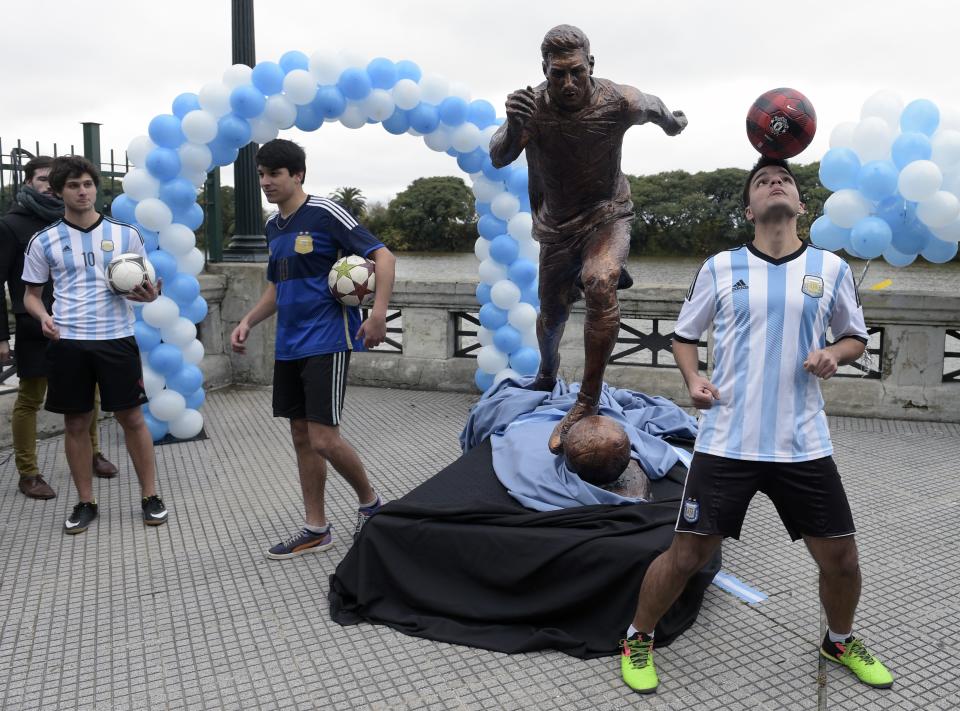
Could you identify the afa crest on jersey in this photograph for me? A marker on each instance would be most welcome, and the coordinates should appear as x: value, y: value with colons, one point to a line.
x: 812, y: 286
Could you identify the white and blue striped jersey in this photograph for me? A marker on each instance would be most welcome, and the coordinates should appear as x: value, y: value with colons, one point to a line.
x: 767, y: 315
x: 84, y: 307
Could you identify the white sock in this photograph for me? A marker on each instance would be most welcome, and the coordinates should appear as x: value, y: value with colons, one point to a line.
x: 370, y: 503
x: 834, y: 637
x: 319, y: 530
x: 631, y: 630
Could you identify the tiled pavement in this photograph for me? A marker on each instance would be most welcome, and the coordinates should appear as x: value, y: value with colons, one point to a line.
x: 192, y: 616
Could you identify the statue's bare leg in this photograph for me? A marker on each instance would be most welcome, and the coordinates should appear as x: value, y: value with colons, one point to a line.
x: 559, y: 266
x: 604, y: 258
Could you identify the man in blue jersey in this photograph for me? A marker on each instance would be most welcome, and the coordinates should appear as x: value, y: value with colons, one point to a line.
x: 91, y: 334
x: 315, y: 334
x: 763, y: 428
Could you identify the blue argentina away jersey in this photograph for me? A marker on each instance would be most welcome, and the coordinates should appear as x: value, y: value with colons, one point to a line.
x: 303, y: 248
x: 84, y: 308
x: 768, y: 315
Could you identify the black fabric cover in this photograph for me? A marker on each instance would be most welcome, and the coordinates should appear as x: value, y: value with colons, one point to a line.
x: 458, y: 560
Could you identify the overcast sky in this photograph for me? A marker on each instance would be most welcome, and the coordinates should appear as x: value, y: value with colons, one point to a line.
x: 121, y: 62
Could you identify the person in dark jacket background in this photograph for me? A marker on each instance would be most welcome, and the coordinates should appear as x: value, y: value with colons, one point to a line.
x: 35, y: 208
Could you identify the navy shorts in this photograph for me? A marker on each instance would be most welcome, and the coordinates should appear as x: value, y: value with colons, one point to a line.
x: 809, y: 496
x: 311, y: 388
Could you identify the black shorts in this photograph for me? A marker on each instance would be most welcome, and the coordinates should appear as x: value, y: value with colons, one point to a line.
x: 31, y: 348
x: 76, y: 368
x: 808, y: 495
x: 311, y: 388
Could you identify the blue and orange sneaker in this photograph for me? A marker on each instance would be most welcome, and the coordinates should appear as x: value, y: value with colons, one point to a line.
x: 636, y: 664
x: 364, y: 513
x: 303, y: 541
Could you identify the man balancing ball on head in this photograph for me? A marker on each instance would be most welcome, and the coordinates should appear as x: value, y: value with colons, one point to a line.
x: 763, y: 427
x: 572, y: 128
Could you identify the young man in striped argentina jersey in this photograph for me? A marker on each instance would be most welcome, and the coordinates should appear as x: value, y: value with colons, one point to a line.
x: 763, y: 427
x: 315, y: 334
x: 91, y: 334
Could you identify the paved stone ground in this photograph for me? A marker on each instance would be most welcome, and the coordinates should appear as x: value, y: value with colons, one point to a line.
x: 192, y: 616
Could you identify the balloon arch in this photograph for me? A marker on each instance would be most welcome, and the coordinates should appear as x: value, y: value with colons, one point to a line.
x: 207, y: 129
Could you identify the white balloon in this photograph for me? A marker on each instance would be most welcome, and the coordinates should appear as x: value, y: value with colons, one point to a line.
x: 846, y: 207
x: 504, y: 374
x: 198, y: 178
x: 530, y: 249
x: 153, y: 382
x: 919, y: 180
x: 280, y: 111
x: 491, y: 359
x: 194, y: 157
x: 460, y: 90
x: 486, y: 135
x: 949, y: 119
x: 884, y: 104
x: 179, y: 333
x: 140, y: 185
x: 520, y: 225
x: 175, y: 238
x: 438, y: 140
x: 326, y: 66
x: 199, y: 126
x: 842, y: 135
x: 193, y: 352
x: 940, y: 210
x: 191, y: 263
x: 481, y: 248
x: 167, y: 405
x: 353, y: 116
x: 433, y: 88
x: 951, y: 181
x: 406, y: 94
x: 504, y: 206
x: 530, y: 338
x: 237, y: 75
x: 188, y: 424
x: 484, y: 336
x: 161, y: 312
x: 465, y: 137
x: 949, y: 232
x: 262, y: 130
x: 414, y: 132
x: 946, y: 148
x: 153, y: 214
x: 353, y: 58
x: 300, y: 86
x: 138, y: 149
x: 522, y: 317
x: 378, y: 105
x: 486, y: 190
x: 491, y: 271
x: 505, y: 294
x: 215, y: 98
x: 872, y: 139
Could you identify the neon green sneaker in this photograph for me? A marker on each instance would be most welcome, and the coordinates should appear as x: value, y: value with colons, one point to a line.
x: 854, y: 655
x: 636, y: 664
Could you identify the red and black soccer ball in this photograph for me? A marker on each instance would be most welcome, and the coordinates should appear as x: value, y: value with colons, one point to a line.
x: 781, y: 123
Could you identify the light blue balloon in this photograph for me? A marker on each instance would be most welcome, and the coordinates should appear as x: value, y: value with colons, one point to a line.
x: 492, y: 173
x: 898, y: 259
x: 268, y: 77
x: 910, y: 146
x: 870, y: 236
x: 471, y: 162
x: 196, y: 398
x: 522, y: 272
x: 398, y: 123
x: 165, y: 359
x: 163, y: 164
x: 147, y: 336
x: 191, y: 216
x: 878, y: 179
x: 184, y: 289
x: 517, y: 184
x: 158, y: 428
x: 483, y: 293
x: 492, y: 316
x: 920, y: 115
x: 826, y: 235
x: 911, y: 238
x: 123, y: 208
x: 483, y: 381
x: 525, y: 360
x: 178, y: 193
x: 481, y: 113
x: 424, y: 118
x: 383, y: 73
x: 294, y: 60
x: 186, y: 380
x: 504, y: 249
x: 483, y: 209
x: 530, y: 295
x: 247, y: 101
x: 329, y: 102
x: 185, y: 103
x: 307, y: 118
x: 137, y: 312
x: 489, y: 226
x: 839, y: 168
x: 233, y: 131
x: 165, y: 131
x: 408, y: 70
x: 151, y: 239
x: 507, y: 338
x: 164, y: 264
x: 938, y: 251
x: 354, y: 83
x: 196, y: 311
x: 222, y: 153
x: 453, y: 110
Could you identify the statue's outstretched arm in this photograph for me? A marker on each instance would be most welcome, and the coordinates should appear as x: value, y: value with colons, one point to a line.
x: 647, y: 108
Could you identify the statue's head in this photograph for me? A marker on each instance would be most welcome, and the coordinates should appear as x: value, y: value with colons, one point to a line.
x: 567, y: 65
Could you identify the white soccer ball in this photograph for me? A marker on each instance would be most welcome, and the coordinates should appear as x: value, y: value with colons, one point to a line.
x: 352, y: 280
x: 128, y: 271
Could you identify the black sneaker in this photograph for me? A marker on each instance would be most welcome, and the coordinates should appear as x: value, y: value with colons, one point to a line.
x: 83, y: 515
x: 154, y: 512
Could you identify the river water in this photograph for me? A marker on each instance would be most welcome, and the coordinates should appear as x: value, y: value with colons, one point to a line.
x: 679, y: 271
